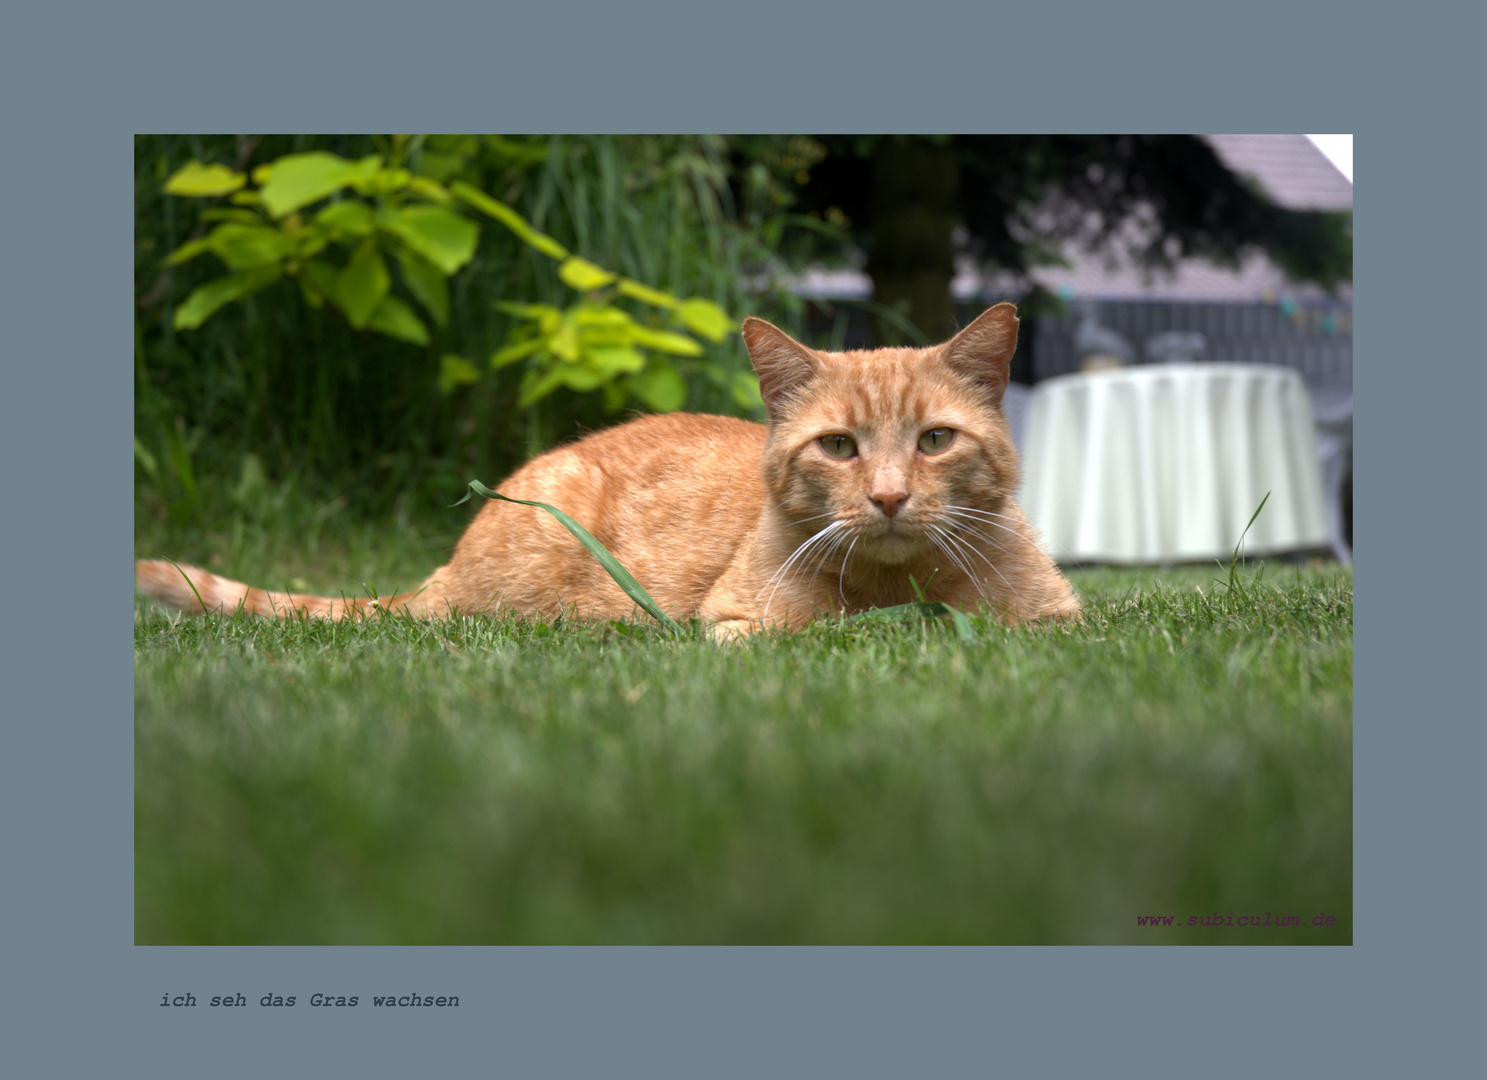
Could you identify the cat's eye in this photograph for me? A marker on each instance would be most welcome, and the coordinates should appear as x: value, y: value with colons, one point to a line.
x: 840, y: 447
x: 936, y: 439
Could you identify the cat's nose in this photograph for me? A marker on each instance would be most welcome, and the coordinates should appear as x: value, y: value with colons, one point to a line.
x: 889, y: 490
x: 889, y: 497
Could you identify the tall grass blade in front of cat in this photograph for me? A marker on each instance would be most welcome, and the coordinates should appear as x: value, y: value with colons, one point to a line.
x: 612, y: 566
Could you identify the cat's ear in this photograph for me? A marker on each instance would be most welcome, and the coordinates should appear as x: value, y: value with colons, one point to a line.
x: 783, y: 364
x: 982, y: 352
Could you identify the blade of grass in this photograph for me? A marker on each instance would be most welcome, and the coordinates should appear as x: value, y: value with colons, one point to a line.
x: 931, y: 609
x: 1234, y: 559
x: 622, y: 577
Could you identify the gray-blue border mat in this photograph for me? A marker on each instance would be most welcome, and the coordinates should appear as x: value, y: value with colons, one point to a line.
x: 81, y: 1000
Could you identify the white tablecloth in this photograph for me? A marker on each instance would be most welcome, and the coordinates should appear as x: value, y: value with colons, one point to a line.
x: 1165, y: 463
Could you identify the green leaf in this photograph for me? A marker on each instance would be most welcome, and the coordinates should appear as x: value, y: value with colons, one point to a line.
x: 456, y: 371
x: 646, y: 295
x: 564, y: 343
x: 363, y: 284
x: 705, y: 318
x: 189, y: 250
x: 426, y: 284
x: 510, y: 354
x: 603, y: 325
x: 608, y: 361
x: 396, y: 319
x: 528, y: 311
x: 206, y: 299
x: 350, y: 217
x: 661, y: 388
x: 665, y: 341
x: 508, y: 217
x: 429, y: 189
x: 484, y: 203
x: 441, y: 236
x: 300, y: 179
x: 204, y: 181
x: 243, y: 247
x: 384, y: 181
x: 622, y: 577
x: 584, y: 377
x: 545, y: 244
x: 601, y: 334
x: 580, y: 274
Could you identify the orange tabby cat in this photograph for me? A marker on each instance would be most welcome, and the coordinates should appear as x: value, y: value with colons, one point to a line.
x: 876, y: 468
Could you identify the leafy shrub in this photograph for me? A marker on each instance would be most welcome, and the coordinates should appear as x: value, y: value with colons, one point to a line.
x: 337, y: 314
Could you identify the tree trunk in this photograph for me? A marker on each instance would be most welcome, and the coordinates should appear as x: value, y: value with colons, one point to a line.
x: 915, y: 208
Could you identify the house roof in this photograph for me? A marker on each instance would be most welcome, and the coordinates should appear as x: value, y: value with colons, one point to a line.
x: 1293, y: 172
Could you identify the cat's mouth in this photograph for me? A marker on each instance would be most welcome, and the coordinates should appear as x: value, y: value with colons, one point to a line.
x: 893, y: 540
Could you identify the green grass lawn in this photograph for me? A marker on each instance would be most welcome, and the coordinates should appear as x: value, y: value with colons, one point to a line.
x: 1185, y: 752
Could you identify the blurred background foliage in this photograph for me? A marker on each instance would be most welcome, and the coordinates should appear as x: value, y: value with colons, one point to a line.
x: 286, y: 399
x: 914, y: 203
x: 271, y: 394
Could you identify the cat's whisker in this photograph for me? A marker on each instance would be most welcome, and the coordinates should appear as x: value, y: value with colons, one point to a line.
x: 963, y: 516
x: 982, y: 512
x: 806, y: 545
x: 978, y: 510
x: 821, y: 556
x: 778, y: 577
x: 817, y: 559
x: 942, y: 542
x: 826, y: 555
x: 963, y: 524
x: 959, y: 526
x: 959, y: 530
x: 784, y: 573
x: 936, y: 537
x: 987, y: 517
x: 962, y: 544
x: 841, y: 578
x: 966, y: 549
x: 814, y: 517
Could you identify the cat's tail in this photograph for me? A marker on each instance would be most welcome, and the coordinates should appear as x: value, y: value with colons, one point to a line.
x: 194, y: 591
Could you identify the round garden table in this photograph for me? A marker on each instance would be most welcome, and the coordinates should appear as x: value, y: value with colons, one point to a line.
x: 1166, y: 463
